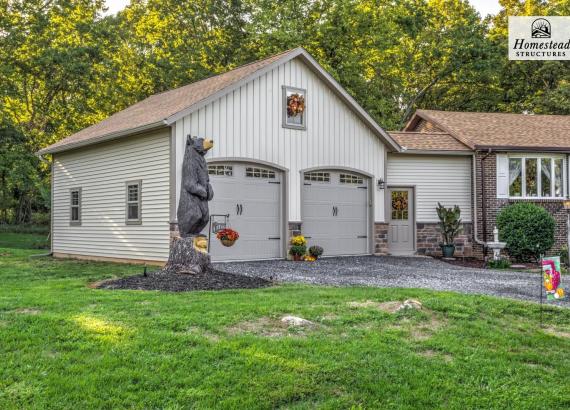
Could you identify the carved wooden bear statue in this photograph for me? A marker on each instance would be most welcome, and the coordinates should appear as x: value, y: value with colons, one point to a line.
x: 196, y: 190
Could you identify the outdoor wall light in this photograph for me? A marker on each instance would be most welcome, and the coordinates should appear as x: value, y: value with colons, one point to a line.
x: 381, y: 184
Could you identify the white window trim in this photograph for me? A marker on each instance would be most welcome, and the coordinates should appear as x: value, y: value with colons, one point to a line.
x: 71, y: 206
x: 137, y: 221
x: 539, y: 157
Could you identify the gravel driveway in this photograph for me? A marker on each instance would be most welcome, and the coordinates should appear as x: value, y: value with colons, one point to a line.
x: 390, y: 271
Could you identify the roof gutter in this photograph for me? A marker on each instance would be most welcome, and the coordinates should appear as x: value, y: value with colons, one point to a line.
x: 522, y: 148
x: 103, y: 138
x: 435, y: 152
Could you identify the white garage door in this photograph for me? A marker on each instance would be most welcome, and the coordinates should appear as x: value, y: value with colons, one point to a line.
x: 251, y: 195
x: 335, y: 211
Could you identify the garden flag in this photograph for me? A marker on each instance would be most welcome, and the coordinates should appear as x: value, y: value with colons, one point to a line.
x: 551, y: 277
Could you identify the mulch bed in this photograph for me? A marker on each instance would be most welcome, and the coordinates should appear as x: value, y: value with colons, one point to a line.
x: 177, y: 282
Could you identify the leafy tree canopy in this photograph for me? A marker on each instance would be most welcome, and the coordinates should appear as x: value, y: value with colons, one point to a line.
x: 64, y: 65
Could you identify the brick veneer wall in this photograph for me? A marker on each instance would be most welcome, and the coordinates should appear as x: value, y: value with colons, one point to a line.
x: 494, y: 205
x: 429, y: 238
x: 381, y: 238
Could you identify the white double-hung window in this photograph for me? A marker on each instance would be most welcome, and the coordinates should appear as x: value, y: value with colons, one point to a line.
x: 535, y: 176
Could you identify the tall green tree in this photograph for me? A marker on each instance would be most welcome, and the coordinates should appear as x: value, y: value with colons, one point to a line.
x: 541, y: 87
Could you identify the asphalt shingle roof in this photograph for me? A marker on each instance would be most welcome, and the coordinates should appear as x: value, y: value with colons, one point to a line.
x: 428, y: 141
x: 158, y: 107
x: 501, y: 130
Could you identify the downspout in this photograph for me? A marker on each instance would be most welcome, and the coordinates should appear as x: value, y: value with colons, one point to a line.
x: 475, y: 216
x: 483, y: 201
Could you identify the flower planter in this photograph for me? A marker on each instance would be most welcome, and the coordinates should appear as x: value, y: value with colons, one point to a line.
x: 297, y: 258
x: 448, y: 251
x: 227, y: 242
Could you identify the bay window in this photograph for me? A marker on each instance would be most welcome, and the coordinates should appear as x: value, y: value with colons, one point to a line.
x: 536, y: 177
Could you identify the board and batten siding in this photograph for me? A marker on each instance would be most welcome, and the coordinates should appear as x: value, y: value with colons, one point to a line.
x: 101, y: 172
x: 247, y: 123
x: 445, y: 179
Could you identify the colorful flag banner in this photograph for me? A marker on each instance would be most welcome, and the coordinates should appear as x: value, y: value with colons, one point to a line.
x: 552, y: 278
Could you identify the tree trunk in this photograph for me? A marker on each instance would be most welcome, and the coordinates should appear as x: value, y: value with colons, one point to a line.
x: 185, y: 258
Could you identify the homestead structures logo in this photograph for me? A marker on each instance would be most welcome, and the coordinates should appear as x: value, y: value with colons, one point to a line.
x: 541, y: 28
x: 539, y: 38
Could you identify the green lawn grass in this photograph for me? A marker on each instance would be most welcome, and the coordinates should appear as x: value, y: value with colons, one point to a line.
x: 65, y: 345
x: 24, y: 240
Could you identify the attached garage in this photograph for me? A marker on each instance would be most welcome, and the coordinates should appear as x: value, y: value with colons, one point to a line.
x: 251, y: 197
x: 335, y: 211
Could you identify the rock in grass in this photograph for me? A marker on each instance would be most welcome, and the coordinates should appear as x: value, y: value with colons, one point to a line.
x: 410, y: 304
x: 296, y: 321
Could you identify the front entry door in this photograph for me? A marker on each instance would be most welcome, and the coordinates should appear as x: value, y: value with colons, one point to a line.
x: 401, y: 220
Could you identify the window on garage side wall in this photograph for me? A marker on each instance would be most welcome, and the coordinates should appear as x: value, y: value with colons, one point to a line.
x: 75, y: 206
x: 133, y: 202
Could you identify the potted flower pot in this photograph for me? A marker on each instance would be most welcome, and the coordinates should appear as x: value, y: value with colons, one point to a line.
x: 297, y: 258
x: 448, y: 250
x: 228, y: 242
x: 227, y: 237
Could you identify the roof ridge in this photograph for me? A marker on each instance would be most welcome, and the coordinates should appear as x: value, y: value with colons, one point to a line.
x: 492, y: 113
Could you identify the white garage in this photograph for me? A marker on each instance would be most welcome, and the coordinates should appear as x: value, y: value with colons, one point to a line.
x: 250, y: 195
x: 335, y: 207
x: 278, y: 125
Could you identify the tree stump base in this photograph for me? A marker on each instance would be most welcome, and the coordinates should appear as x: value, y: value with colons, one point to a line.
x: 189, y: 256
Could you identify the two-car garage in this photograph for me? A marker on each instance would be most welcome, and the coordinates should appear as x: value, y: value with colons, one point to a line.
x: 335, y: 209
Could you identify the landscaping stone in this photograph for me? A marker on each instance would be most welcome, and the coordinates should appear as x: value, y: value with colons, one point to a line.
x: 410, y: 304
x: 296, y: 321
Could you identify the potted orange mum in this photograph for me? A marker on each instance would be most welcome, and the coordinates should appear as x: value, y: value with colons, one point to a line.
x: 227, y: 236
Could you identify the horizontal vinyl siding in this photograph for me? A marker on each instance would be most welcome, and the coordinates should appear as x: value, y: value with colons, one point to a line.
x: 445, y: 179
x: 247, y: 123
x: 101, y: 172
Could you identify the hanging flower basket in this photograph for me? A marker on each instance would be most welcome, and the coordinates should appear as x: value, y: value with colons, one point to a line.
x: 227, y: 236
x: 227, y: 242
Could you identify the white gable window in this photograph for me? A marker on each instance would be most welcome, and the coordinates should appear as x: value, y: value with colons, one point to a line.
x: 531, y: 176
x: 294, y: 108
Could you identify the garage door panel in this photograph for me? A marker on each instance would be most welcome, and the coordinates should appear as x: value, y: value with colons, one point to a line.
x: 343, y: 231
x: 258, y: 216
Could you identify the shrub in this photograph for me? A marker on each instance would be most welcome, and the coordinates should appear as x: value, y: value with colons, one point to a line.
x: 499, y: 264
x: 449, y: 222
x: 298, y: 250
x: 316, y: 251
x: 41, y: 218
x: 528, y: 230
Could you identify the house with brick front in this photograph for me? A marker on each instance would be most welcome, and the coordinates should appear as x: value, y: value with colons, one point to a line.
x: 482, y: 162
x: 293, y: 154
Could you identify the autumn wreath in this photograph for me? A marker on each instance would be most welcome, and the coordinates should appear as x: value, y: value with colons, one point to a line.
x: 295, y: 104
